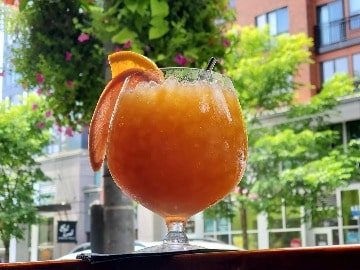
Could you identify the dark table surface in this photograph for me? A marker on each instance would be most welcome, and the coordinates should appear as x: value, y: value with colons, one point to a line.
x: 329, y: 258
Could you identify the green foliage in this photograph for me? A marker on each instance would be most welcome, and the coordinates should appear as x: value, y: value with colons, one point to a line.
x: 163, y: 29
x: 223, y: 208
x: 262, y: 66
x: 169, y: 32
x: 23, y: 135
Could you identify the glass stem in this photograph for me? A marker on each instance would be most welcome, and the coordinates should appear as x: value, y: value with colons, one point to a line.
x: 176, y: 234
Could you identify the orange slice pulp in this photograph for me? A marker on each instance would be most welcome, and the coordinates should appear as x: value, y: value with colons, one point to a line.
x: 123, y: 60
x: 125, y: 66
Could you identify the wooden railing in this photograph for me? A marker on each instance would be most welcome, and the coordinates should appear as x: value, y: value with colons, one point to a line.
x: 327, y: 258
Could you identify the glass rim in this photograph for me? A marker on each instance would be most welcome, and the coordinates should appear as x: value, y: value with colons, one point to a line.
x: 192, y: 69
x: 198, y: 74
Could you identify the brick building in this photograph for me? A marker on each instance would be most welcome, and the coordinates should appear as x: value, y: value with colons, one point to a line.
x: 334, y: 26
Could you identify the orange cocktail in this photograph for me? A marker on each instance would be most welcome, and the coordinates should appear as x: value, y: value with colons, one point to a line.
x: 174, y: 139
x: 180, y: 145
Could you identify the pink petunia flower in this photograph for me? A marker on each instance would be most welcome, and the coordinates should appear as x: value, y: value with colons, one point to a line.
x: 83, y: 37
x: 127, y: 44
x: 34, y: 107
x: 69, y: 132
x: 40, y: 78
x: 68, y: 56
x: 69, y: 84
x: 48, y: 114
x: 40, y: 125
x: 180, y: 59
x: 39, y: 91
x: 117, y: 48
x: 226, y: 42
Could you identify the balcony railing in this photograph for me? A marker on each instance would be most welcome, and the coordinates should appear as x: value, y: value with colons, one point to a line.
x: 336, y: 32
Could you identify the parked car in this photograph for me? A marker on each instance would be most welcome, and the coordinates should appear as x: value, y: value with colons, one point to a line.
x: 138, y: 245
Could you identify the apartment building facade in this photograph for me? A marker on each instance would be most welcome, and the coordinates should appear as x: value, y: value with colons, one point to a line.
x: 334, y: 26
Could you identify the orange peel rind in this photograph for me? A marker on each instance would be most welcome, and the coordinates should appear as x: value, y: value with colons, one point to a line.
x: 126, y: 66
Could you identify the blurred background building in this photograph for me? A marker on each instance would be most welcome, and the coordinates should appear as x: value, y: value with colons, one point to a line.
x: 335, y: 28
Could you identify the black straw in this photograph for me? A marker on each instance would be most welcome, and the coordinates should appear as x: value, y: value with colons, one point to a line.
x: 211, y: 64
x: 205, y: 74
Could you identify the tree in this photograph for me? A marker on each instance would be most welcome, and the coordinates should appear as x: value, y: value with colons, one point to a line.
x: 297, y: 161
x: 23, y: 135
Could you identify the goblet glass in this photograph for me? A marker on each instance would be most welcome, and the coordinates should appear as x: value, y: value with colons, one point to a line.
x: 178, y: 147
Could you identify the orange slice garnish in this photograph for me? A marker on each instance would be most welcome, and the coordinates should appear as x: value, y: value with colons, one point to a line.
x: 134, y: 73
x: 124, y: 60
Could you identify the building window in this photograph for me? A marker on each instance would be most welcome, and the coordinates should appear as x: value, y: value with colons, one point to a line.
x: 284, y: 239
x: 190, y: 226
x: 97, y: 178
x: 329, y: 68
x: 331, y: 23
x: 353, y: 130
x: 237, y: 240
x: 232, y: 3
x: 46, y: 239
x: 349, y: 200
x: 278, y: 21
x: 285, y: 218
x: 356, y: 65
x: 354, y: 6
x: 251, y: 217
x: 230, y: 230
x: 209, y: 225
x: 326, y: 213
x: 284, y: 227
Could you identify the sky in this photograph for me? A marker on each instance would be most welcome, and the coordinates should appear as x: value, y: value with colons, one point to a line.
x: 1, y: 52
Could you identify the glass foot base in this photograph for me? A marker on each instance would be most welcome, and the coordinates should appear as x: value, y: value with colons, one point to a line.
x: 169, y: 248
x: 174, y: 241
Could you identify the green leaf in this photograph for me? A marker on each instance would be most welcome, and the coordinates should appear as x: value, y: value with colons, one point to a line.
x: 131, y: 5
x: 159, y: 8
x: 160, y: 57
x: 142, y: 7
x: 123, y: 36
x: 111, y: 28
x: 23, y: 4
x: 139, y: 25
x: 136, y: 47
x: 159, y: 28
